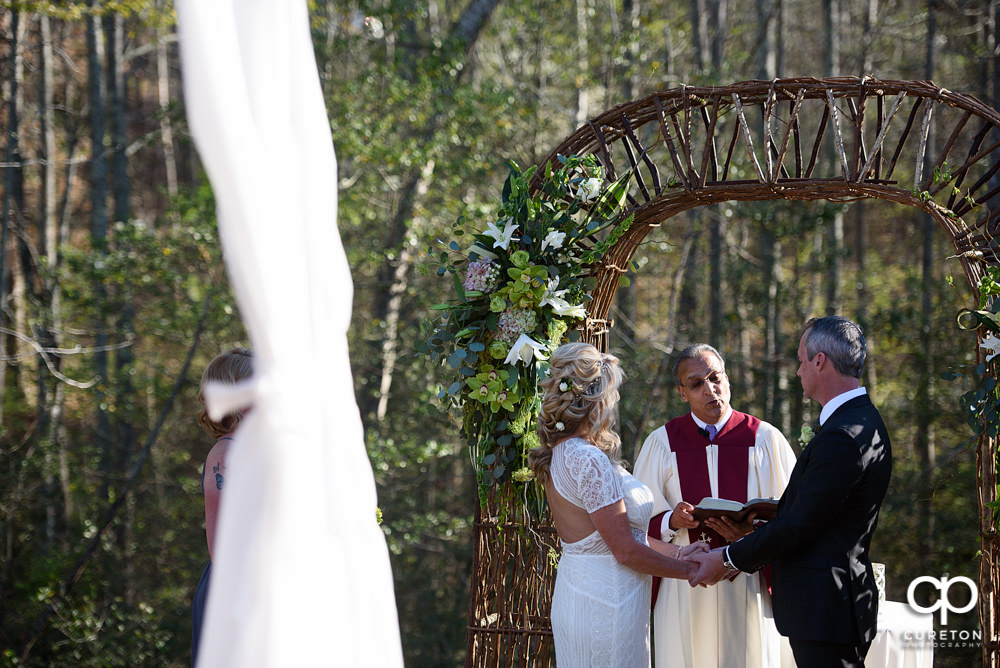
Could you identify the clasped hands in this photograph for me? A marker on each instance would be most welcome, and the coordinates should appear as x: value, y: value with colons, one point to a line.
x: 710, y: 568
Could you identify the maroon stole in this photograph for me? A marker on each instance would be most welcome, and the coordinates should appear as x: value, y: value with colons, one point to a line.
x: 688, y: 443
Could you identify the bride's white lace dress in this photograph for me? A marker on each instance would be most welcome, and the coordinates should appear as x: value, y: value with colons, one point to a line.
x: 600, y: 609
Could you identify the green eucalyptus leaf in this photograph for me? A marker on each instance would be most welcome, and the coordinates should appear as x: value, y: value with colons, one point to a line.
x: 459, y: 288
x: 456, y: 358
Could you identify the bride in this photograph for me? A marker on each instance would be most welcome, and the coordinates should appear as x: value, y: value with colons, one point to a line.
x: 600, y: 609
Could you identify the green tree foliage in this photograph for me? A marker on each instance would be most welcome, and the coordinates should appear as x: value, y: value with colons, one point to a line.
x: 423, y: 124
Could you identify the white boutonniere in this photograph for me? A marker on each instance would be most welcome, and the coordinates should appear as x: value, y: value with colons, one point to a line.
x: 806, y: 435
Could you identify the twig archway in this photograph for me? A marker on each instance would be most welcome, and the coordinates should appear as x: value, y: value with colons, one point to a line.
x: 837, y: 139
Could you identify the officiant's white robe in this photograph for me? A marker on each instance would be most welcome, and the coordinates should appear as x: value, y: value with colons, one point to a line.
x: 728, y: 625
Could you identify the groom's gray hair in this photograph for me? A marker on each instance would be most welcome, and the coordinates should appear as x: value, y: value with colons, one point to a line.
x: 841, y: 340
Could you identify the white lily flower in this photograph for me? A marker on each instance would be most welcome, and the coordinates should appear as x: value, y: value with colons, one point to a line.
x: 565, y: 309
x: 560, y: 306
x: 502, y: 238
x: 481, y: 251
x: 551, y: 293
x: 554, y: 239
x: 524, y: 350
x: 589, y: 189
x: 991, y: 343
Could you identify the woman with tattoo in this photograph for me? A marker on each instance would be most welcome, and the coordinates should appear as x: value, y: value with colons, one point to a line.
x: 230, y: 368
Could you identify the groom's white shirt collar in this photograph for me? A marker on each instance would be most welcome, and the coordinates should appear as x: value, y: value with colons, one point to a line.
x: 839, y: 401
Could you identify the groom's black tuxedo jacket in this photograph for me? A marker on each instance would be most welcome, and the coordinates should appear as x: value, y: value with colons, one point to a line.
x: 822, y: 585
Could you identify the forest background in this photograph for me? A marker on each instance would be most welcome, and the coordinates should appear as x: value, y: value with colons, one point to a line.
x: 114, y: 295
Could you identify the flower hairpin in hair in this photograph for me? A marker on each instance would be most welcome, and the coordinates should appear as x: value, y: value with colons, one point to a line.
x: 560, y: 426
x: 523, y: 474
x: 566, y: 385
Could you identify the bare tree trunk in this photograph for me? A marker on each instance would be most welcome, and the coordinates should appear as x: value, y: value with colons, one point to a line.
x: 582, y: 51
x: 767, y: 54
x: 13, y: 179
x: 699, y: 35
x: 860, y: 207
x: 718, y: 31
x: 925, y: 435
x: 868, y: 36
x: 47, y: 329
x: 771, y: 250
x: 396, y: 291
x: 50, y: 224
x: 123, y: 432
x: 625, y: 299
x: 99, y: 223
x: 166, y: 126
x: 717, y: 11
x: 835, y: 229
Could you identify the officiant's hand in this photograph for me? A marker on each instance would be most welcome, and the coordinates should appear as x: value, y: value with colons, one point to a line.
x: 682, y: 518
x: 730, y: 530
x: 710, y: 568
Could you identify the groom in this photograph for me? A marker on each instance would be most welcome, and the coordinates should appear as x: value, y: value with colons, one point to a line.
x: 823, y: 589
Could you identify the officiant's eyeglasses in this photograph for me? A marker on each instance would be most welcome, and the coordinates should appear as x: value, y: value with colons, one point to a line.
x: 698, y: 383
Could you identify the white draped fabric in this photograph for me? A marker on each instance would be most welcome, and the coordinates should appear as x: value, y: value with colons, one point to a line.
x: 301, y: 575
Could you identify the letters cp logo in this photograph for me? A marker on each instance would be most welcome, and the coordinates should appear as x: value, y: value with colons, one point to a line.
x: 943, y: 585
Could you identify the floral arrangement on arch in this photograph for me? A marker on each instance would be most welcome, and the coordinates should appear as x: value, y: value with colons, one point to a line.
x: 981, y: 404
x: 520, y: 289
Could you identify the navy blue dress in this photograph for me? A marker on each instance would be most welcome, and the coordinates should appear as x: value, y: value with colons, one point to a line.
x: 200, y: 597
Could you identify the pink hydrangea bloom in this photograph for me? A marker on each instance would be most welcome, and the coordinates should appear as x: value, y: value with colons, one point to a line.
x: 515, y: 321
x: 483, y: 276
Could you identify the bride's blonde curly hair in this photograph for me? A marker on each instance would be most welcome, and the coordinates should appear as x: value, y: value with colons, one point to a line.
x: 581, y: 398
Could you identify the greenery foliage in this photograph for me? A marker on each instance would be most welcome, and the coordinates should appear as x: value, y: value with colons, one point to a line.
x: 524, y: 287
x: 420, y: 126
x: 981, y: 404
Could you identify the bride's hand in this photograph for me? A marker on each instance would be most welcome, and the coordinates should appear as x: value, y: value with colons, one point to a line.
x: 693, y: 548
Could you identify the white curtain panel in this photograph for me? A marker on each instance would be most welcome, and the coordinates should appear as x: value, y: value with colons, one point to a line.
x: 301, y: 574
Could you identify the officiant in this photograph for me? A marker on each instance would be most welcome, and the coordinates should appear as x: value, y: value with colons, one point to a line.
x: 712, y: 451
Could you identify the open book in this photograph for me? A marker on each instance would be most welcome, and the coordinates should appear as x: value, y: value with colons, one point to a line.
x: 711, y: 507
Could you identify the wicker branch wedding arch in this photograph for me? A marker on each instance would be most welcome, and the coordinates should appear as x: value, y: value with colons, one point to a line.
x: 838, y: 139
